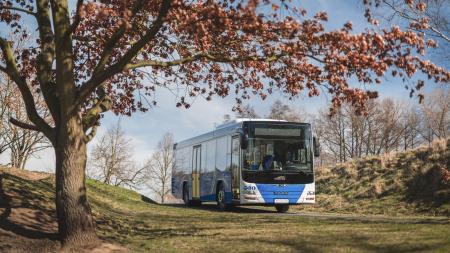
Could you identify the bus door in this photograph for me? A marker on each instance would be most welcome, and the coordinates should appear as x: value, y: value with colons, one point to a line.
x: 196, y: 160
x: 235, y: 167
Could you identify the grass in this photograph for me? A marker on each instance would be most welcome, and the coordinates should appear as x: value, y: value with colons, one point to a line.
x: 123, y: 217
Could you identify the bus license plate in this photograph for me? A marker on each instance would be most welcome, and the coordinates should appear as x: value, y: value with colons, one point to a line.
x: 281, y: 201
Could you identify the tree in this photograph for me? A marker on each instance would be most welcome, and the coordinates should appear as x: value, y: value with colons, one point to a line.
x: 347, y: 135
x: 94, y: 58
x: 436, y: 115
x: 21, y: 143
x: 5, y: 98
x: 411, y: 122
x: 159, y: 167
x: 247, y: 111
x: 111, y: 159
x: 278, y: 110
x: 332, y: 132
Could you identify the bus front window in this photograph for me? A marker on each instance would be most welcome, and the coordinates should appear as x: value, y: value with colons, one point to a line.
x: 279, y: 149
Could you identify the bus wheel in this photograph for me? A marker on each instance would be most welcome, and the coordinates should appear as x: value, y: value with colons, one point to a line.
x: 282, y: 208
x: 220, y: 197
x: 186, y: 196
x: 196, y: 202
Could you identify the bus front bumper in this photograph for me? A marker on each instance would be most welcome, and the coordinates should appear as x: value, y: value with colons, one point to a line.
x: 274, y: 194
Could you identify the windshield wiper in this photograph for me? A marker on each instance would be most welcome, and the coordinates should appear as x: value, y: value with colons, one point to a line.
x: 306, y: 171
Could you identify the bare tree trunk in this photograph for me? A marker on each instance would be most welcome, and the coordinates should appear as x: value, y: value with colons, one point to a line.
x: 163, y: 190
x: 76, y: 224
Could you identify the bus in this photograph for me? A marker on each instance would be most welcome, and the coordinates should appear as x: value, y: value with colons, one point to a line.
x: 247, y: 162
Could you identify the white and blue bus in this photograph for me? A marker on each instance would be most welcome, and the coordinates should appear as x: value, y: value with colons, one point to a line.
x: 247, y: 162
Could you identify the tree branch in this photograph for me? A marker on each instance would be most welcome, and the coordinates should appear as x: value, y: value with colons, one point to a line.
x: 99, y: 77
x: 111, y: 43
x: 23, y: 125
x: 30, y: 106
x: 76, y: 19
x: 46, y: 57
x: 439, y: 33
x: 92, y: 115
x: 91, y: 134
x: 12, y: 8
x: 409, y: 17
x: 209, y: 56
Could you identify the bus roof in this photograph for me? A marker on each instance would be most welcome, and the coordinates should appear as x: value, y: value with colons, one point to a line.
x: 240, y: 120
x: 227, y: 128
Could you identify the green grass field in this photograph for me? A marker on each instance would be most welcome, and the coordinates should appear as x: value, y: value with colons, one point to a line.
x: 144, y: 227
x: 124, y: 218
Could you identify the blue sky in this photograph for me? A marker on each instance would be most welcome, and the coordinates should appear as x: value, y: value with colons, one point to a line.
x: 145, y: 129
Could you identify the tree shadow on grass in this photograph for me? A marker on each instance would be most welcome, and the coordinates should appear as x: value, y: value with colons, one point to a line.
x: 428, y: 187
x: 148, y: 200
x: 25, y: 232
x: 36, y: 219
x: 326, y: 242
x: 213, y: 208
x: 322, y: 216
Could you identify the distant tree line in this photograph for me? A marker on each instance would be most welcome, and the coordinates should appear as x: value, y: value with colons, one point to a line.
x: 388, y: 125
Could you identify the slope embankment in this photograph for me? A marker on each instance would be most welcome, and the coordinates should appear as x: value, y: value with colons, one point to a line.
x: 400, y: 183
x: 27, y: 214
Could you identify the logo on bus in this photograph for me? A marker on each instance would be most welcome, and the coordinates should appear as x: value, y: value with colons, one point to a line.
x: 249, y: 188
x: 280, y: 178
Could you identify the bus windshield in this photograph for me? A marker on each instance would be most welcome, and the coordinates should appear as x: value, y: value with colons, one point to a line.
x: 279, y: 148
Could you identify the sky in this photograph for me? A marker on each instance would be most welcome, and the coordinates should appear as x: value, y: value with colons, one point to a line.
x: 146, y: 129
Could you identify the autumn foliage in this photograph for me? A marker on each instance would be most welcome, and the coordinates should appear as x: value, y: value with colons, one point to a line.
x: 222, y: 47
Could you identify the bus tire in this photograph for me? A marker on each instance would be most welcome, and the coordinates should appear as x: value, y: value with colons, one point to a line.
x: 220, y: 198
x: 186, y: 200
x: 282, y: 208
x: 196, y: 202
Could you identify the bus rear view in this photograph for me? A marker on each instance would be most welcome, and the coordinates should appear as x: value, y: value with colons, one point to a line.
x: 248, y: 162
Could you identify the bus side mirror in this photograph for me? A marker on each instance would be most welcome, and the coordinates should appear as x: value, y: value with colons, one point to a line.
x: 243, y: 138
x: 316, y: 146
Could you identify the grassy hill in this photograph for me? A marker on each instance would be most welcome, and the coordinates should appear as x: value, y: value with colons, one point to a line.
x: 127, y: 223
x: 404, y: 183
